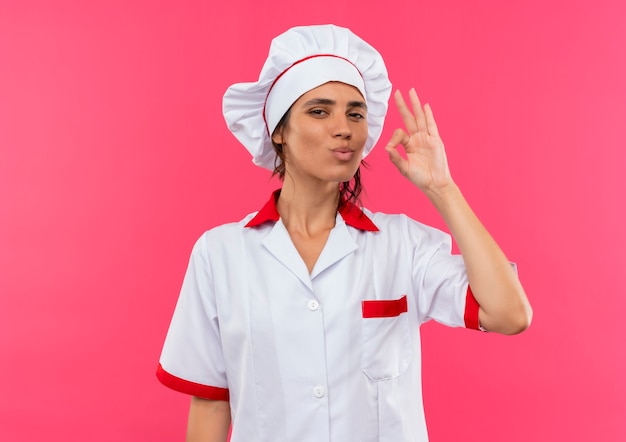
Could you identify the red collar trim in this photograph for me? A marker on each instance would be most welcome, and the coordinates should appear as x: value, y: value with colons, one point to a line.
x: 351, y: 214
x: 269, y: 212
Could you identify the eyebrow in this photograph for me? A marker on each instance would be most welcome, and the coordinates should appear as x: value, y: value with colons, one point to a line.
x: 328, y: 101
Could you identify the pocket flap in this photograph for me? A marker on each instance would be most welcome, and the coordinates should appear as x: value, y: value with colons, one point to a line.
x: 384, y: 308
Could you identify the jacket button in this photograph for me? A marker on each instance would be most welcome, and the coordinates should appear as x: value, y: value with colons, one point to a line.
x: 313, y: 305
x: 319, y: 391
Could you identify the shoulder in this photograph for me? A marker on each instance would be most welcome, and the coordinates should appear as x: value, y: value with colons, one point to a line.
x: 228, y: 233
x: 404, y: 228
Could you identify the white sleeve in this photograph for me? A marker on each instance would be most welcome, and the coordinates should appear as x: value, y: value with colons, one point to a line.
x: 443, y: 291
x: 192, y: 361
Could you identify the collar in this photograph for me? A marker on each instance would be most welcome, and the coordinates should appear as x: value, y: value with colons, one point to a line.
x: 351, y: 214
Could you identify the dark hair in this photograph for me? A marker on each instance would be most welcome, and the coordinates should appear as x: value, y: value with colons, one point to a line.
x: 349, y: 191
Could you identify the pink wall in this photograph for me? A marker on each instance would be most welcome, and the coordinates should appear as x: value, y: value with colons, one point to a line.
x: 114, y: 158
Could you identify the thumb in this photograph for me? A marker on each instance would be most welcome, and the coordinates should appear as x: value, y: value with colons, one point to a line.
x: 398, y: 137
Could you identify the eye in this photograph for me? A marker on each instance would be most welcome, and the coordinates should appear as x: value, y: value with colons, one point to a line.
x: 318, y: 112
x: 356, y: 115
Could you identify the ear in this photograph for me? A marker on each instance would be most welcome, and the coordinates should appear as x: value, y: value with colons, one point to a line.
x: 277, y: 136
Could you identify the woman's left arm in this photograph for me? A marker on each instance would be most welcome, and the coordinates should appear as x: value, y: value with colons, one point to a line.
x: 504, y: 307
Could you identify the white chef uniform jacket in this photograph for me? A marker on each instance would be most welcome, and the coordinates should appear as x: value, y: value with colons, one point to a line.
x: 333, y: 355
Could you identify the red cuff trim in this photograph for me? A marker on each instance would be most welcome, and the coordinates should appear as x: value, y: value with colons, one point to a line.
x: 192, y: 388
x: 384, y: 308
x: 471, y: 311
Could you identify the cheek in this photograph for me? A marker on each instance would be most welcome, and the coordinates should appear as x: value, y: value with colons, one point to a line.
x: 361, y: 134
x: 305, y: 139
x: 300, y: 147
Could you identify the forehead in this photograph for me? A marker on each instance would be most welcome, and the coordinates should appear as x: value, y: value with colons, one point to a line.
x: 333, y: 90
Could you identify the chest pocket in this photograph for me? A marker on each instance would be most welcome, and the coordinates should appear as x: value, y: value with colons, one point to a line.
x: 386, y: 338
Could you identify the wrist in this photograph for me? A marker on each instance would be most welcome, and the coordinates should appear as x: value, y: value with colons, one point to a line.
x: 443, y: 195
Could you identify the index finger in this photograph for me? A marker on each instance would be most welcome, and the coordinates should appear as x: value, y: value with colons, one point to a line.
x: 405, y: 113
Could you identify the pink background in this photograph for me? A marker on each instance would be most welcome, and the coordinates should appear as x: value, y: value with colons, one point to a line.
x: 114, y: 158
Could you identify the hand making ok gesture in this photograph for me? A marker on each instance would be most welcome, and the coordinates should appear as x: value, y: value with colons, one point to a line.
x: 425, y: 165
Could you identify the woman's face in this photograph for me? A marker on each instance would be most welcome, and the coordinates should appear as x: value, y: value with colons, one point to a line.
x: 325, y: 133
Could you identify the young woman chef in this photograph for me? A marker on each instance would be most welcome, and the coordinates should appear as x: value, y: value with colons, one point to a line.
x: 301, y: 322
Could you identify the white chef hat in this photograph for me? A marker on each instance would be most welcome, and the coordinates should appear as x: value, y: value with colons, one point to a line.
x: 299, y: 60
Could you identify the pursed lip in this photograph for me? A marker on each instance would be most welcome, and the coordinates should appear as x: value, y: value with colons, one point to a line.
x: 343, y: 153
x: 343, y: 149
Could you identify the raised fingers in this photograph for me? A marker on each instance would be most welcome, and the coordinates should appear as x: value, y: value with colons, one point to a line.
x: 420, y: 118
x: 405, y: 113
x: 415, y: 120
x: 430, y: 121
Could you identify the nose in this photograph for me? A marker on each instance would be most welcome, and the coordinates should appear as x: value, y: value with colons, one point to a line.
x: 341, y: 128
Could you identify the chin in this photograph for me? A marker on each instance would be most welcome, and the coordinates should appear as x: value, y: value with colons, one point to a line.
x: 340, y: 177
x: 345, y: 172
